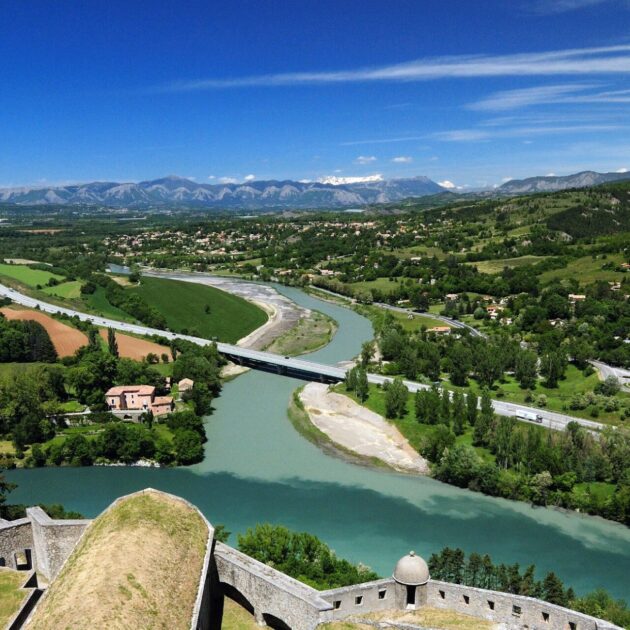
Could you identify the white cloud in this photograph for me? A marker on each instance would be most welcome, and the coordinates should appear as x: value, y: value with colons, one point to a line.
x: 577, y: 93
x: 447, y: 184
x: 477, y: 135
x: 365, y: 159
x: 249, y: 178
x: 305, y: 181
x: 551, y: 7
x: 506, y: 179
x: 402, y: 159
x: 550, y: 175
x: 338, y: 181
x: 572, y: 61
x: 622, y: 170
x: 212, y: 177
x: 228, y: 180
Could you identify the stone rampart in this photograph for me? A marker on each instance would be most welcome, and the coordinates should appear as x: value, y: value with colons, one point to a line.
x: 271, y: 595
x: 16, y: 537
x: 364, y: 598
x: 515, y: 611
x: 53, y: 540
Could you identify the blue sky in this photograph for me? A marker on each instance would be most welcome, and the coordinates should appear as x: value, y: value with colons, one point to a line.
x: 469, y: 92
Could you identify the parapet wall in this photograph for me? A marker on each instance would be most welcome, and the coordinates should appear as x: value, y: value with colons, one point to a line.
x: 53, y: 540
x: 16, y: 537
x: 364, y: 598
x: 270, y: 594
x: 515, y: 611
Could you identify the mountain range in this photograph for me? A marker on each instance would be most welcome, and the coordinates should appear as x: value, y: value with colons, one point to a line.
x: 552, y: 183
x: 182, y: 192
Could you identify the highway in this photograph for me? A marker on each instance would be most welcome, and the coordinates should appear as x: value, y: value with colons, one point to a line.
x: 278, y: 364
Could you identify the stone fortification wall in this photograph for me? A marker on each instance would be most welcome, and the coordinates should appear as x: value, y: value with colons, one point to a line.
x: 515, y: 611
x: 363, y: 598
x: 53, y: 540
x: 15, y: 537
x: 270, y: 594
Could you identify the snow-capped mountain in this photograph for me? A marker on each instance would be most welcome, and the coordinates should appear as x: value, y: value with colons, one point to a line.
x: 179, y: 191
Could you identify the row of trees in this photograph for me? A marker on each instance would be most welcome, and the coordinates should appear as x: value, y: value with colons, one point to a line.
x: 25, y: 342
x: 452, y: 565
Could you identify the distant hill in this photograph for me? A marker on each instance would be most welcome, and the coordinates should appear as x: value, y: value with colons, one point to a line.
x: 584, y: 179
x: 179, y: 191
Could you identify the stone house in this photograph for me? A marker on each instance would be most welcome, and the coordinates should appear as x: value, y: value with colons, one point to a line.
x: 133, y: 400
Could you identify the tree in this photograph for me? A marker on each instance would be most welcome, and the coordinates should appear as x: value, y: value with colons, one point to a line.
x: 362, y: 389
x: 351, y: 379
x: 459, y: 413
x: 434, y: 444
x: 112, y: 344
x: 552, y: 366
x: 396, y: 396
x: 445, y: 407
x: 553, y: 590
x: 367, y: 352
x: 459, y: 465
x: 472, y: 404
x: 484, y: 419
x: 188, y: 446
x: 460, y: 364
x: 526, y: 369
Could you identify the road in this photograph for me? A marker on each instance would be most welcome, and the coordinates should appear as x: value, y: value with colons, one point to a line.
x: 621, y: 374
x: 399, y: 309
x: 279, y: 364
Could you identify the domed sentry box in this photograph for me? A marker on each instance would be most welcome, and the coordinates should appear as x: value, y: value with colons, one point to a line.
x: 411, y: 576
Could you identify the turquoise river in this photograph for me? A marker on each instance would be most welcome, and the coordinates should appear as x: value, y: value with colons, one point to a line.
x: 259, y: 469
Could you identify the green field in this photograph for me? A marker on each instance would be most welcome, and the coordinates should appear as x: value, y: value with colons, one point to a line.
x: 382, y: 284
x: 497, y: 266
x: 67, y: 290
x: 587, y: 270
x: 11, y: 595
x: 98, y: 303
x: 26, y: 275
x: 184, y: 305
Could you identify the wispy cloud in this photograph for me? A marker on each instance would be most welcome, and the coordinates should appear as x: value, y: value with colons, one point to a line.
x: 402, y: 159
x: 352, y: 143
x: 550, y: 94
x: 551, y: 7
x: 365, y: 159
x: 480, y: 135
x: 249, y: 178
x: 574, y: 61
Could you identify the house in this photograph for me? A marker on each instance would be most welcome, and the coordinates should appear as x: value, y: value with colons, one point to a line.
x: 440, y: 330
x: 129, y: 401
x: 185, y: 385
x: 493, y: 310
x: 576, y: 297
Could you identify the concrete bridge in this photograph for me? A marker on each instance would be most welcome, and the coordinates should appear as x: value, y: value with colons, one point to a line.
x: 278, y: 364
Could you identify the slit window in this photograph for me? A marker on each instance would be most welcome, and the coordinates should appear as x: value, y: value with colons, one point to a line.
x: 337, y: 604
x: 466, y: 600
x: 382, y: 594
x: 442, y: 595
x: 358, y: 600
x: 490, y: 604
x: 516, y: 611
x: 572, y: 625
x: 545, y: 617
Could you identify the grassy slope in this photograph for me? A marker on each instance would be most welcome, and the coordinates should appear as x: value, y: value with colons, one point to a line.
x: 30, y: 277
x: 10, y: 594
x: 496, y: 266
x: 309, y: 335
x: 70, y: 289
x: 183, y: 305
x: 235, y: 617
x: 587, y: 270
x: 98, y: 303
x: 148, y: 578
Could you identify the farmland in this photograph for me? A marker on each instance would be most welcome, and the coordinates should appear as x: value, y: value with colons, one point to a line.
x: 200, y: 309
x: 26, y: 275
x: 67, y: 340
x: 135, y: 348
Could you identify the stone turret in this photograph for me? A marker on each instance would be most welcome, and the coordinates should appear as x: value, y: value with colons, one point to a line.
x: 411, y: 575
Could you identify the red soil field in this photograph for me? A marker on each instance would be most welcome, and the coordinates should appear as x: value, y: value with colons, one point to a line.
x: 67, y: 340
x: 134, y: 348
